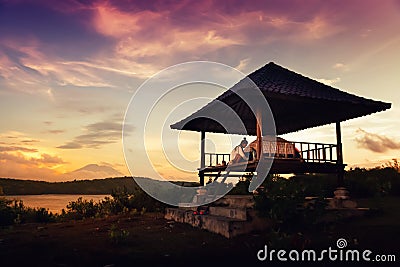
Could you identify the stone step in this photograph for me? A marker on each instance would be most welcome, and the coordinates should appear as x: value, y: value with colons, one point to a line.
x: 241, y: 201
x: 233, y: 213
x: 228, y: 227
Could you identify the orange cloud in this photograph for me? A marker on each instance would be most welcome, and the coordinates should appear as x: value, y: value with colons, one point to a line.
x: 14, y: 169
x: 48, y: 160
x: 19, y: 166
x: 28, y: 162
x: 16, y: 148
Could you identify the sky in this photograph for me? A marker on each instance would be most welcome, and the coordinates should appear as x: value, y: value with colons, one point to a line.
x: 68, y: 70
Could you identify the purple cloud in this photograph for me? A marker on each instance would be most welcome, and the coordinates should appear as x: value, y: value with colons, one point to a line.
x: 376, y: 143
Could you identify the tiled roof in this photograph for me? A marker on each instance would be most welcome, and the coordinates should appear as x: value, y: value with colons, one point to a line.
x: 276, y: 79
x: 297, y: 102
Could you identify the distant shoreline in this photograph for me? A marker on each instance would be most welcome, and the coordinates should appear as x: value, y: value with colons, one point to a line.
x: 9, y: 186
x: 106, y: 186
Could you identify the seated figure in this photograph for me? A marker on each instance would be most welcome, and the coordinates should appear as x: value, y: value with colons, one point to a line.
x: 238, y: 155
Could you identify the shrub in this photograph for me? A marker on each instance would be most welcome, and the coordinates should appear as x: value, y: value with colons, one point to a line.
x: 118, y: 235
x: 241, y: 188
x: 283, y: 201
x: 377, y: 181
x: 14, y: 212
x: 81, y: 208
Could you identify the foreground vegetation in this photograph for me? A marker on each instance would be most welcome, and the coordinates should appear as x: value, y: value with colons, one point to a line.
x: 128, y: 228
x: 121, y: 201
x: 278, y: 197
x: 149, y: 240
x: 298, y: 205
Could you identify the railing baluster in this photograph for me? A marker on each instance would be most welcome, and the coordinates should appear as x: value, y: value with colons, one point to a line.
x: 315, y: 150
x: 301, y: 150
x: 313, y: 153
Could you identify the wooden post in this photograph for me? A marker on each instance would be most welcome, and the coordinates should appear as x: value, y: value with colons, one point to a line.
x: 259, y: 133
x: 202, y: 157
x: 339, y: 163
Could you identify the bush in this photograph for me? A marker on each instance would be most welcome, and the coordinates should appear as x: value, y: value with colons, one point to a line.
x: 7, y: 215
x: 283, y: 201
x: 117, y: 235
x: 373, y: 182
x: 81, y: 208
x: 121, y: 201
x: 14, y: 212
x: 241, y: 188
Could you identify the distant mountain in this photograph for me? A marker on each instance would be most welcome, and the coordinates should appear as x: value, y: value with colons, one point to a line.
x: 91, y: 171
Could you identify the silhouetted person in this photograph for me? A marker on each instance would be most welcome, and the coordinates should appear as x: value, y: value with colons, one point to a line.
x: 237, y: 154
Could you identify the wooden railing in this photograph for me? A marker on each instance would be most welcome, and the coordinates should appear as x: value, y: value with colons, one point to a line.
x: 318, y: 152
x: 305, y: 151
x: 214, y: 159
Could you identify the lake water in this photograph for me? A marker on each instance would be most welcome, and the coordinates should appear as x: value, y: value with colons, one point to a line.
x: 53, y: 202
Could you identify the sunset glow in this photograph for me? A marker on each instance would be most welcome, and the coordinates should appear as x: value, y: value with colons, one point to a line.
x: 69, y: 68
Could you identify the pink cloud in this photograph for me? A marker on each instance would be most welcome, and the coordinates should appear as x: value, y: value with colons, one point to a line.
x: 198, y: 28
x: 151, y: 35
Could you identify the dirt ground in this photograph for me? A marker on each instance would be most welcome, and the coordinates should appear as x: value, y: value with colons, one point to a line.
x: 154, y: 241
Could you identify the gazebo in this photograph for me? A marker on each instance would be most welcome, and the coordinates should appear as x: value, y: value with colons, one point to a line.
x: 297, y: 103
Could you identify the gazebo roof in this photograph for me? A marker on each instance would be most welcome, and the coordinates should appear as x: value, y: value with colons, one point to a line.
x: 297, y: 102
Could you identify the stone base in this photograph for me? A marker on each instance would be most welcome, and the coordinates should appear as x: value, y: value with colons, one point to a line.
x: 341, y: 200
x: 229, y: 216
x: 337, y: 203
x: 341, y: 193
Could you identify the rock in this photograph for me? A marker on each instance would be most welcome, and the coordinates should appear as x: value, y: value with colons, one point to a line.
x: 341, y: 193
